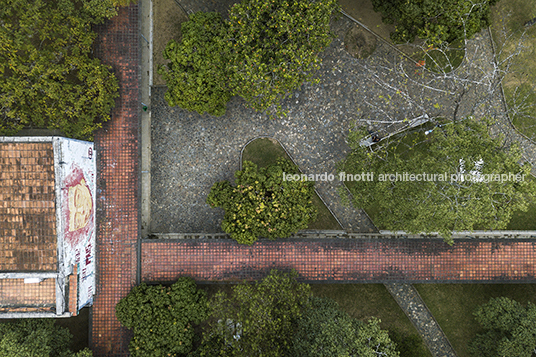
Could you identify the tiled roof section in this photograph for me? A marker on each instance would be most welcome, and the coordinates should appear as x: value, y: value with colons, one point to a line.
x: 16, y: 296
x: 27, y: 207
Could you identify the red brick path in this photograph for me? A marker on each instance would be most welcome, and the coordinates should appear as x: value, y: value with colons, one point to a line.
x: 343, y: 260
x: 117, y: 199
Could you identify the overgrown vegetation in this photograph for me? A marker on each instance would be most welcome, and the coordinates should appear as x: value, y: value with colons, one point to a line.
x: 196, y: 76
x: 510, y: 329
x: 48, y: 78
x: 325, y: 331
x: 365, y: 301
x: 276, y: 316
x: 256, y: 319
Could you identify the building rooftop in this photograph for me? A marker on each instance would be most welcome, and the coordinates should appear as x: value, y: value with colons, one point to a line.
x: 28, y: 240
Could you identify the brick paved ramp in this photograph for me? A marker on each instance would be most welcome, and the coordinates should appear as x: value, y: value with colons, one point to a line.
x: 376, y: 261
x: 117, y: 204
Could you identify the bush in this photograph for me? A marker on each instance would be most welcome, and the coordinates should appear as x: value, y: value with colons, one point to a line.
x: 510, y: 329
x: 265, y: 50
x: 162, y: 318
x: 263, y: 204
x: 196, y: 75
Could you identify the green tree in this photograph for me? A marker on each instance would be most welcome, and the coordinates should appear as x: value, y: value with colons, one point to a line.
x: 162, y: 318
x: 324, y: 330
x: 436, y: 21
x: 274, y: 47
x: 265, y: 50
x: 446, y: 204
x: 197, y: 74
x: 510, y: 329
x: 256, y: 320
x: 48, y: 78
x: 263, y: 203
x: 36, y: 338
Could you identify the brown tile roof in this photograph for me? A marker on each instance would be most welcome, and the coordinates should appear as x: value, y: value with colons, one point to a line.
x: 16, y: 296
x: 27, y: 207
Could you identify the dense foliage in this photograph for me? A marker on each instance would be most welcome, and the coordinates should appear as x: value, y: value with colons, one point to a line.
x: 162, y: 318
x: 36, y: 338
x: 510, y: 329
x: 196, y: 73
x: 436, y: 21
x: 256, y: 319
x: 275, y: 46
x: 265, y: 50
x: 445, y: 203
x: 47, y: 77
x: 325, y: 330
x: 262, y: 203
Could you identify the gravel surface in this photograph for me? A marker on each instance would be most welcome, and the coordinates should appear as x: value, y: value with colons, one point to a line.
x: 190, y: 151
x: 411, y: 302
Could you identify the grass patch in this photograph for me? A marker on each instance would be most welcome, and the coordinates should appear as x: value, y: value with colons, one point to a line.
x: 453, y: 304
x: 445, y: 60
x: 265, y: 152
x: 363, y: 301
x: 512, y: 15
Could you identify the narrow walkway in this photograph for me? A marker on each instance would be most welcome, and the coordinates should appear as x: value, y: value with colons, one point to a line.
x: 411, y: 302
x: 342, y: 260
x: 117, y: 181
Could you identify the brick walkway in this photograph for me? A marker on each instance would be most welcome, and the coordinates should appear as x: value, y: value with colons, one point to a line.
x: 117, y: 203
x: 376, y: 261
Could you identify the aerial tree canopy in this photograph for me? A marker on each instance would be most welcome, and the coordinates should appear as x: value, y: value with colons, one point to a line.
x: 436, y: 21
x: 48, y: 78
x: 324, y: 330
x: 264, y: 51
x: 263, y: 203
x: 36, y: 338
x: 510, y: 329
x: 466, y: 193
x: 256, y: 319
x: 275, y: 46
x: 162, y: 317
x: 197, y: 74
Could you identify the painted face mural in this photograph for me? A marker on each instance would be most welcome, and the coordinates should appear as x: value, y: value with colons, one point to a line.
x: 78, y: 211
x: 80, y: 205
